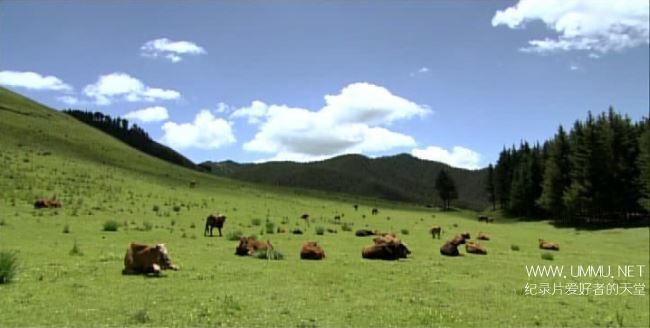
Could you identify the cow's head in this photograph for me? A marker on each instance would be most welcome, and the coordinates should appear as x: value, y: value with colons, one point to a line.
x: 163, y: 257
x: 242, y: 248
x: 459, y: 239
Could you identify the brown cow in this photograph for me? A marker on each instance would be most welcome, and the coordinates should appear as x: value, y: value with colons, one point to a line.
x: 435, y: 231
x: 214, y: 221
x: 47, y: 203
x: 482, y: 236
x: 145, y: 259
x: 364, y: 233
x: 386, y: 247
x: 450, y: 248
x: 483, y: 218
x: 549, y: 246
x: 475, y: 248
x: 312, y: 251
x: 248, y: 246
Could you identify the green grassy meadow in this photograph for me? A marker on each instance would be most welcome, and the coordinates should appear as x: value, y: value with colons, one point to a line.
x: 45, y: 153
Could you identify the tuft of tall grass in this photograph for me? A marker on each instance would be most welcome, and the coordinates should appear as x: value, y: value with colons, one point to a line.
x: 234, y: 235
x: 320, y: 231
x: 8, y: 266
x: 514, y: 247
x: 111, y: 225
x: 270, y: 227
x: 547, y: 256
x: 76, y: 250
x: 256, y: 222
x: 269, y: 255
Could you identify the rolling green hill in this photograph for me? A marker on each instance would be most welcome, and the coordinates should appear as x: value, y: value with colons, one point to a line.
x: 401, y: 177
x: 69, y: 264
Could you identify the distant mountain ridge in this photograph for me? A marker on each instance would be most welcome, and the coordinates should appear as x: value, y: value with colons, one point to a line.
x: 400, y: 177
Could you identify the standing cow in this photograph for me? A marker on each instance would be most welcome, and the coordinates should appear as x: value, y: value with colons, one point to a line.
x: 214, y: 221
x: 435, y: 231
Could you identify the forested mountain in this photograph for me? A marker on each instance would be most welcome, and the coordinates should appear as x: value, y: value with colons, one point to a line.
x: 132, y: 135
x: 401, y: 177
x: 596, y: 174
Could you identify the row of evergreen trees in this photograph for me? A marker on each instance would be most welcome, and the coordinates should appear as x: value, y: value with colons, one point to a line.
x: 598, y: 173
x: 132, y: 135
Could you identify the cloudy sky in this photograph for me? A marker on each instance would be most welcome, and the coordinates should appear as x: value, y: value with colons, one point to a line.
x: 452, y: 81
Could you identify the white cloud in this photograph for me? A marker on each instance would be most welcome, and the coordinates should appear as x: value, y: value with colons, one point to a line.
x: 33, y: 81
x: 206, y: 132
x: 422, y: 70
x: 594, y: 26
x: 149, y: 114
x: 69, y: 100
x: 171, y: 50
x: 574, y: 67
x: 353, y: 121
x: 459, y: 156
x: 121, y: 86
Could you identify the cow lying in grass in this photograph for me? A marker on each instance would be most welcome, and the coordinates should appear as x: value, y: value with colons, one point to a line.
x: 145, y: 259
x: 248, y: 246
x: 482, y: 236
x: 450, y: 248
x: 387, y: 247
x: 549, y: 246
x: 47, y: 203
x: 475, y: 248
x: 312, y: 251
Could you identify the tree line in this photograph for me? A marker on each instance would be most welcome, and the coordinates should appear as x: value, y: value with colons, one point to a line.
x: 131, y: 134
x: 598, y: 173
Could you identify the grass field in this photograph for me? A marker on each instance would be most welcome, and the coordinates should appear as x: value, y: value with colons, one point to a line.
x: 98, y: 179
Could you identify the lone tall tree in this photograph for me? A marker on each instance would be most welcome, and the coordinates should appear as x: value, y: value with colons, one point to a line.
x: 446, y: 189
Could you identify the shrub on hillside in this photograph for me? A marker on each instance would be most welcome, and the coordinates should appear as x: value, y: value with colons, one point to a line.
x: 320, y: 231
x: 514, y: 247
x: 547, y: 256
x: 256, y: 222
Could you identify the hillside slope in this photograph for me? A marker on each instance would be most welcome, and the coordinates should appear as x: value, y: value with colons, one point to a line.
x: 401, y: 177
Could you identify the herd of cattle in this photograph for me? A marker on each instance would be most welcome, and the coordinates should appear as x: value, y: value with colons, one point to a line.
x: 145, y: 259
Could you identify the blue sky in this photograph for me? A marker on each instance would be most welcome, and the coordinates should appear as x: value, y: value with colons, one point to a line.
x: 452, y: 81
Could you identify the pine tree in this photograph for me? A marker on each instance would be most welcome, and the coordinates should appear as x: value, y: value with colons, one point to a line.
x: 556, y: 179
x: 490, y: 187
x: 643, y: 164
x: 446, y: 189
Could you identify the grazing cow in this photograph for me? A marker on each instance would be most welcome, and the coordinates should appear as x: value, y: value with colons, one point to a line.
x: 465, y: 235
x: 435, y: 231
x: 248, y: 246
x: 214, y: 221
x: 450, y: 248
x: 312, y: 251
x: 482, y: 236
x: 356, y: 207
x: 144, y: 259
x: 305, y: 216
x: 549, y: 246
x: 475, y: 248
x: 296, y: 231
x: 375, y: 211
x: 47, y: 203
x: 364, y: 233
x: 483, y: 218
x: 387, y: 247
